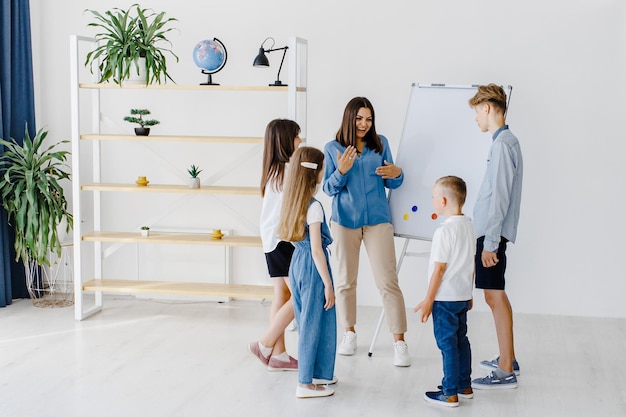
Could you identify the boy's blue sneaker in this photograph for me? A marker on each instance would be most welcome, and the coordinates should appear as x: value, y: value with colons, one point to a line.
x: 437, y: 397
x: 493, y: 381
x: 492, y: 364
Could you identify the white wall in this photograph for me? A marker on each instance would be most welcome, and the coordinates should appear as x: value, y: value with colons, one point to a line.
x: 566, y: 60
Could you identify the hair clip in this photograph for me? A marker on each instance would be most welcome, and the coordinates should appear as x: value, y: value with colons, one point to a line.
x: 310, y: 165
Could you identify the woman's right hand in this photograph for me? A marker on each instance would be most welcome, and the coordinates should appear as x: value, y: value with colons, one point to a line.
x: 345, y: 161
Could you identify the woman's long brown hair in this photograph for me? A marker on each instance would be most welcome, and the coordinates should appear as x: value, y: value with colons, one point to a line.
x: 346, y: 135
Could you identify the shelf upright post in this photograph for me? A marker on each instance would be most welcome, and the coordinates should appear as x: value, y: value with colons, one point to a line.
x: 96, y: 176
x: 79, y: 310
x: 78, y: 284
x: 297, y: 75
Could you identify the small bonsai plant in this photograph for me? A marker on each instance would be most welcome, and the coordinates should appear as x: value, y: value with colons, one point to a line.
x: 143, y: 130
x: 194, y: 181
x: 145, y: 231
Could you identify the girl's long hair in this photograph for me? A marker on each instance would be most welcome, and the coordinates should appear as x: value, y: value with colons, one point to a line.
x: 298, y: 191
x: 346, y: 135
x: 278, y: 148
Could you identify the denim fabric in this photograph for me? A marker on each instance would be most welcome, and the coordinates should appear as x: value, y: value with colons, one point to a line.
x: 317, y: 328
x: 450, y: 326
x: 359, y: 196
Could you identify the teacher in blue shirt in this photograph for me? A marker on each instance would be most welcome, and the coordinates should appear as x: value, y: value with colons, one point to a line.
x: 358, y: 168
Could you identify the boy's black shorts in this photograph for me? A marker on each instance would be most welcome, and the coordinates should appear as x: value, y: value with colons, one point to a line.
x: 490, y: 278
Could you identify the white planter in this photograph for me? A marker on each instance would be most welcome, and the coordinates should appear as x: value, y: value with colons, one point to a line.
x: 145, y: 233
x: 48, y: 288
x: 194, y: 182
x: 135, y: 78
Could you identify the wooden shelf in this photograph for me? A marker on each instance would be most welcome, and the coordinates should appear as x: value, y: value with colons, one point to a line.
x: 93, y: 194
x: 128, y: 86
x: 173, y: 239
x: 174, y: 138
x: 181, y: 288
x: 171, y: 188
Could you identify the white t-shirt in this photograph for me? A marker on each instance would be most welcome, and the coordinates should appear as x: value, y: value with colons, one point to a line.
x: 270, y: 215
x: 454, y: 243
x: 315, y: 213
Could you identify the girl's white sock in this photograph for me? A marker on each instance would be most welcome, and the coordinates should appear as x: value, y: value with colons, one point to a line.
x: 266, y: 351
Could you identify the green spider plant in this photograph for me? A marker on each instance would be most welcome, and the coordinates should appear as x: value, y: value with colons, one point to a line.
x: 126, y: 36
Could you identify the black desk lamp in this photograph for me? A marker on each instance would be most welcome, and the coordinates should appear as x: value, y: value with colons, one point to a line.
x: 262, y: 61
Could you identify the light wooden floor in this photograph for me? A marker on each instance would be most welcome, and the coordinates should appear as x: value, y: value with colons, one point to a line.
x: 164, y: 358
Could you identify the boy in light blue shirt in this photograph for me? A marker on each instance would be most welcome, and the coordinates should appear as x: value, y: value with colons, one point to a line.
x: 496, y: 214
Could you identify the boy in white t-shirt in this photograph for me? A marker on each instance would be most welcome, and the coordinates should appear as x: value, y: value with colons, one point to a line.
x: 449, y: 296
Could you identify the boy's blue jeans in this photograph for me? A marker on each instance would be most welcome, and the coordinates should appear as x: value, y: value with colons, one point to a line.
x: 450, y: 326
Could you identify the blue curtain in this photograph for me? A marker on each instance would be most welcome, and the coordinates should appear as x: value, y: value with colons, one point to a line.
x: 17, y: 109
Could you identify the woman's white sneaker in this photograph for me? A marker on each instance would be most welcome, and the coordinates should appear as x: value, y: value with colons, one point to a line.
x: 347, y: 346
x: 401, y: 354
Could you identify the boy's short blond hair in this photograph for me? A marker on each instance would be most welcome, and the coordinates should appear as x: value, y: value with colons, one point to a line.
x: 491, y: 93
x: 454, y: 188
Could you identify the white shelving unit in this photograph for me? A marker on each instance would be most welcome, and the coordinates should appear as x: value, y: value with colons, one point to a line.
x: 296, y: 110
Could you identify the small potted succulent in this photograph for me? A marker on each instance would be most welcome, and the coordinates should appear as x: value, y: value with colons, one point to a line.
x: 145, y: 231
x: 194, y: 181
x: 143, y: 130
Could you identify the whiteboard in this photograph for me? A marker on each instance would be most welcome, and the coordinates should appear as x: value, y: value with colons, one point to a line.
x: 440, y: 137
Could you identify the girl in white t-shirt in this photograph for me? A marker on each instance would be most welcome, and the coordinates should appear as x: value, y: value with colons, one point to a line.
x: 302, y: 221
x: 281, y: 140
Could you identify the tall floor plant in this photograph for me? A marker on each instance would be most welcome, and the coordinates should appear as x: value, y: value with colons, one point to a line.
x: 33, y: 197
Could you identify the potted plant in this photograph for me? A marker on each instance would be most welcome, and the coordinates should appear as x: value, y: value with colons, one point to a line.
x: 145, y: 231
x: 143, y: 130
x: 194, y: 181
x: 131, y: 41
x: 35, y: 202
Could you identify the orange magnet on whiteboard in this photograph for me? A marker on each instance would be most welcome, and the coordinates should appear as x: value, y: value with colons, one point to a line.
x: 434, y: 216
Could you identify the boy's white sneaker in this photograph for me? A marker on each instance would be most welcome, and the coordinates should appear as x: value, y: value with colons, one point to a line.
x: 347, y: 346
x: 401, y: 354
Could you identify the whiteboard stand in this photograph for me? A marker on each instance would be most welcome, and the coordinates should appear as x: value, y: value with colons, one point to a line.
x: 403, y: 254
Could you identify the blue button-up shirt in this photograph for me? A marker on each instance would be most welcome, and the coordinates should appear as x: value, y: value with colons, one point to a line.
x: 359, y: 196
x: 497, y: 208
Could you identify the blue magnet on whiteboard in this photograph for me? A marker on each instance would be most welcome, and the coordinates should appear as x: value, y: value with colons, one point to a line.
x: 414, y: 209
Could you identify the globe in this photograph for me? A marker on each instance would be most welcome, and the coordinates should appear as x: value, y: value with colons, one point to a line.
x: 210, y: 56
